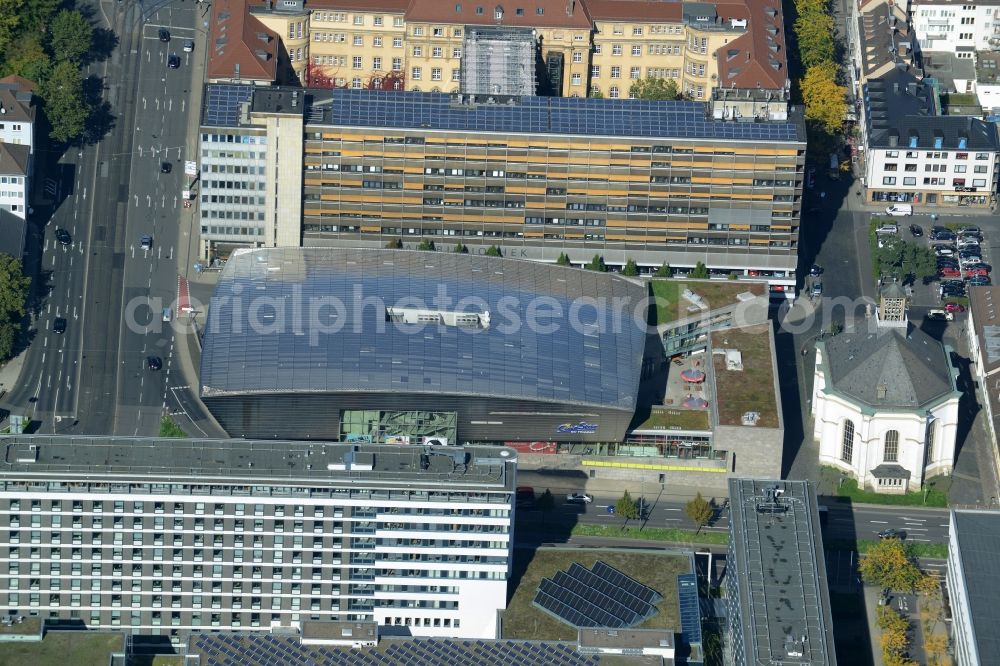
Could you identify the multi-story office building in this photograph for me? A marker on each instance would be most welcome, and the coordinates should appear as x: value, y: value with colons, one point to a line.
x: 955, y: 27
x: 587, y: 47
x: 915, y: 155
x: 973, y: 585
x: 674, y: 182
x: 164, y: 536
x: 776, y: 590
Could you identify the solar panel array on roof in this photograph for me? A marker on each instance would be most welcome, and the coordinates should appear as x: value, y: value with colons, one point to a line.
x: 222, y: 104
x: 542, y: 115
x: 687, y: 599
x: 604, y: 597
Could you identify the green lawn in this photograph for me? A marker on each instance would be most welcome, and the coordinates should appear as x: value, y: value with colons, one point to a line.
x: 752, y: 388
x: 524, y: 621
x: 935, y: 491
x: 63, y: 648
x: 716, y: 293
x: 665, y: 293
x: 675, y: 419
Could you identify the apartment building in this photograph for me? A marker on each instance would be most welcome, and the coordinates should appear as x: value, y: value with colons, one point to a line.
x: 162, y: 536
x: 597, y: 47
x: 915, y: 155
x: 656, y: 182
x: 14, y: 166
x: 241, y: 48
x: 956, y: 27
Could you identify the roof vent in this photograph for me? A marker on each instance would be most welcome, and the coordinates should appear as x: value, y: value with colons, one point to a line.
x: 881, y: 391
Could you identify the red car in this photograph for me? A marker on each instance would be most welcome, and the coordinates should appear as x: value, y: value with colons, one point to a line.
x: 972, y: 272
x: 954, y: 307
x: 949, y: 272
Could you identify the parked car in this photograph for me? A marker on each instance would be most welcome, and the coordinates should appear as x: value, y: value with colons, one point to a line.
x: 817, y: 289
x: 952, y: 283
x: 579, y: 498
x: 892, y: 533
x: 953, y: 292
x: 899, y: 210
x: 944, y: 251
x: 941, y: 315
x: 887, y: 229
x: 980, y: 281
x: 815, y: 270
x: 63, y: 237
x: 970, y: 261
x: 980, y: 266
x: 188, y: 46
x: 942, y: 236
x: 968, y: 243
x: 975, y: 271
x: 969, y: 252
x: 954, y: 307
x: 970, y: 230
x: 916, y: 230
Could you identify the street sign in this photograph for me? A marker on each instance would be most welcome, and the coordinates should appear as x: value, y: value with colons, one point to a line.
x: 191, y: 168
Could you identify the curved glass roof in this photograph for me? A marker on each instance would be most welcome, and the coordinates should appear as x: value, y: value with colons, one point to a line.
x: 335, y: 320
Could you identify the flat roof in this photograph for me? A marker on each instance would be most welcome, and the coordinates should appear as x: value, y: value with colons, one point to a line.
x: 340, y: 320
x: 625, y: 638
x: 574, y: 116
x: 230, y: 461
x: 984, y: 311
x: 777, y: 550
x: 751, y: 388
x: 977, y: 536
x: 339, y: 631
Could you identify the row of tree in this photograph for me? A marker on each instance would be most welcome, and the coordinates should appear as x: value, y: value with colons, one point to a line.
x: 824, y: 99
x: 13, y: 296
x: 49, y: 45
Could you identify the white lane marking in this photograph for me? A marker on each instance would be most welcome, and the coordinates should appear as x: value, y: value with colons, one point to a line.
x: 880, y: 522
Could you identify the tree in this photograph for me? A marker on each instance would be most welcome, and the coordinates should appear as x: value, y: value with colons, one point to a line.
x: 494, y: 251
x: 546, y: 503
x: 936, y: 646
x: 563, y: 259
x: 664, y: 270
x: 699, y: 272
x: 426, y: 245
x: 929, y: 586
x: 596, y: 264
x: 461, y: 249
x: 886, y: 564
x: 626, y: 507
x: 596, y: 94
x: 394, y: 244
x: 71, y: 36
x: 13, y: 296
x: 37, y: 15
x: 11, y: 15
x: 700, y: 511
x: 901, y: 259
x: 631, y: 269
x: 823, y: 98
x: 814, y: 31
x: 62, y: 95
x: 27, y: 58
x: 655, y: 89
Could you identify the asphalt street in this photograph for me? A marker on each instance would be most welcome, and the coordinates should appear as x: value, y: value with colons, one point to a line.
x: 93, y: 379
x: 844, y: 521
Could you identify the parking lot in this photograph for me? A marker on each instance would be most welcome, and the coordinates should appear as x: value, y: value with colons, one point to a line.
x: 960, y: 258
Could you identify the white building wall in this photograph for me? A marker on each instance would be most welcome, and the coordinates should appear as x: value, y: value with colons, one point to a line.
x: 13, y: 195
x: 949, y: 27
x: 988, y: 96
x: 932, y: 170
x: 20, y: 133
x: 958, y: 597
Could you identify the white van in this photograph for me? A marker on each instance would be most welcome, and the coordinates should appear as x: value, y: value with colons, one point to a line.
x: 899, y: 210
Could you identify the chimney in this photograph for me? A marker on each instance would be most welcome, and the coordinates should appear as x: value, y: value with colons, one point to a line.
x: 570, y: 6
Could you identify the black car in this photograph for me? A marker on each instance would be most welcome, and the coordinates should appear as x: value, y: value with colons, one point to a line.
x: 892, y: 533
x: 916, y: 230
x: 815, y: 270
x: 173, y: 61
x: 146, y: 242
x: 166, y: 167
x: 59, y: 325
x: 980, y: 281
x: 164, y: 35
x: 942, y: 236
x: 953, y: 293
x: 154, y: 362
x: 63, y: 237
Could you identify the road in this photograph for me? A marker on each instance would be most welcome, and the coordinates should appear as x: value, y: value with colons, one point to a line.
x: 844, y: 521
x: 92, y: 379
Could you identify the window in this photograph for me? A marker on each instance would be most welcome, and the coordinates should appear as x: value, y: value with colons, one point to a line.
x: 358, y: 41
x: 397, y: 21
x: 597, y: 49
x: 960, y: 168
x: 377, y: 42
x: 418, y: 31
x: 979, y: 182
x: 397, y: 42
x: 595, y: 71
x: 415, y: 73
x: 909, y: 181
x: 359, y: 20
x: 577, y: 56
x: 888, y: 180
x: 636, y: 50
x: 891, y: 166
x: 891, y: 452
x: 847, y: 445
x: 378, y: 21
x: 637, y: 31
x: 616, y: 72
x: 982, y: 156
x: 418, y: 51
x: 436, y: 52
x: 456, y: 52
x: 376, y: 64
x: 616, y: 49
x: 455, y: 74
x: 929, y: 452
x: 575, y: 79
x: 357, y: 62
x: 613, y: 93
x: 397, y: 64
x: 980, y: 168
x: 435, y: 74
x: 634, y: 73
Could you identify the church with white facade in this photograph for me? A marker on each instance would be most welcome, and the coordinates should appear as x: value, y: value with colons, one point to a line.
x: 884, y: 403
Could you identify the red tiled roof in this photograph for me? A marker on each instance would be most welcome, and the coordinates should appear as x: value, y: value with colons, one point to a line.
x: 389, y: 6
x: 21, y: 82
x: 238, y: 39
x: 757, y: 58
x: 635, y: 10
x: 554, y: 13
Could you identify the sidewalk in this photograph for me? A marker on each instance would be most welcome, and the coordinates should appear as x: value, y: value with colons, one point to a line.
x: 871, y: 603
x: 10, y: 372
